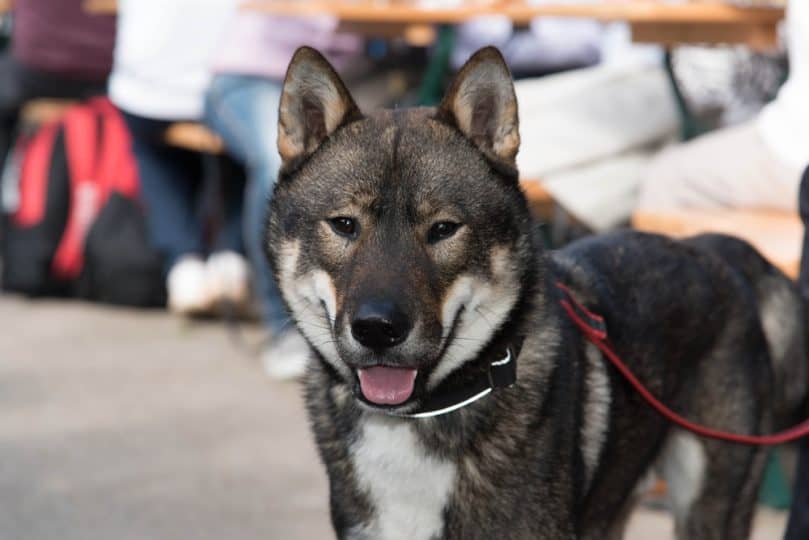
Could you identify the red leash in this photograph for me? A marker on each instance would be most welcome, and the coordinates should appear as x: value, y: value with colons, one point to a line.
x: 596, y: 333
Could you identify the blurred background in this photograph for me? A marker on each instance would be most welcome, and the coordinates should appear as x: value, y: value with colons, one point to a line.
x: 148, y: 370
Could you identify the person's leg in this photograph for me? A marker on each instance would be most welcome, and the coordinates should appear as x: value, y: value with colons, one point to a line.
x: 169, y: 180
x: 232, y: 185
x: 587, y: 133
x: 729, y: 168
x: 803, y: 205
x: 244, y: 111
x: 798, y: 525
x: 227, y: 271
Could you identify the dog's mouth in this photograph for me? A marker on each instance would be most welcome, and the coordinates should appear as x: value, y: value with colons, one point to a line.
x: 384, y: 385
x: 392, y: 387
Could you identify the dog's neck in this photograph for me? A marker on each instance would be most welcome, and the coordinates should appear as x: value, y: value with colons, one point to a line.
x: 494, y: 369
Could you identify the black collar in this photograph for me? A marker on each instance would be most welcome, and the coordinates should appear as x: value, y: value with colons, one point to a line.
x: 502, y: 373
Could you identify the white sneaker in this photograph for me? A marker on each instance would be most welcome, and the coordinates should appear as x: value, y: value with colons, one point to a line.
x: 286, y: 356
x: 228, y: 278
x: 187, y: 287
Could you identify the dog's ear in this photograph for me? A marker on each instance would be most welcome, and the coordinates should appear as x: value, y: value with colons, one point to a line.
x: 314, y: 103
x: 481, y: 103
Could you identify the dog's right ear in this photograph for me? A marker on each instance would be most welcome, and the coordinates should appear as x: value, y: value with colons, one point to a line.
x: 314, y: 103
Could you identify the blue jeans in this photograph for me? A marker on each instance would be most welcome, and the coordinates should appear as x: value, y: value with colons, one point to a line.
x: 243, y: 110
x: 172, y: 185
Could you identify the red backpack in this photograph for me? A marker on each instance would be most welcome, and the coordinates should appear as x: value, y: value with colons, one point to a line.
x: 73, y: 225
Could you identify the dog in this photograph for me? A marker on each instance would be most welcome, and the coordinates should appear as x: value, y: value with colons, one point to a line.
x: 450, y: 395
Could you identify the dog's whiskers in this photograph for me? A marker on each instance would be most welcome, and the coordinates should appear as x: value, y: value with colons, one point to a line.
x: 304, y: 305
x: 483, y: 316
x: 460, y: 338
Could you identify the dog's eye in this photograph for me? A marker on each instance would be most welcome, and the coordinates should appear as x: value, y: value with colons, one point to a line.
x: 344, y: 226
x: 441, y: 231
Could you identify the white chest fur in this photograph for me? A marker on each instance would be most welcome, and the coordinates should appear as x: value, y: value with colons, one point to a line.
x: 407, y: 488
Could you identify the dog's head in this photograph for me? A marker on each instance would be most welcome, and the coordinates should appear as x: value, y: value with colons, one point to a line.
x: 400, y: 239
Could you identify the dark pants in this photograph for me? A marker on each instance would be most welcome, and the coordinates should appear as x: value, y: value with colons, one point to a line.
x: 803, y: 278
x: 174, y: 192
x: 798, y: 527
x: 19, y: 84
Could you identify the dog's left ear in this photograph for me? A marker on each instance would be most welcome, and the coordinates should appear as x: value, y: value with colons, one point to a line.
x: 481, y: 103
x: 314, y: 104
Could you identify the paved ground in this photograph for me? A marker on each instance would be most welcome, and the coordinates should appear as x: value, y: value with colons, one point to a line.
x: 131, y: 425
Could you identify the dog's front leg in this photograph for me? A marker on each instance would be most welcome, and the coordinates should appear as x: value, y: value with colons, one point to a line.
x: 351, y: 514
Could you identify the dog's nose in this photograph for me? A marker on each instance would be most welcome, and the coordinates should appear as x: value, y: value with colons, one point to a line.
x: 380, y: 324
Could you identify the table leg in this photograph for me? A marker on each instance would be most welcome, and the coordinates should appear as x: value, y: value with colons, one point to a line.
x: 691, y: 125
x: 431, y: 88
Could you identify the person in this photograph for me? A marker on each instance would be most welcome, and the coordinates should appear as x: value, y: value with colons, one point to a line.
x: 57, y: 51
x: 160, y: 74
x: 548, y: 45
x: 798, y: 524
x: 587, y: 134
x: 242, y: 106
x: 757, y: 164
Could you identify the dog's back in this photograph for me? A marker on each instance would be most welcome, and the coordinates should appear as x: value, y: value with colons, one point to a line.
x: 724, y: 271
x: 781, y: 312
x: 715, y: 332
x: 402, y: 244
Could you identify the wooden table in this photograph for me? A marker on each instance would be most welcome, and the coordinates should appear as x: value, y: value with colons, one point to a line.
x: 652, y: 21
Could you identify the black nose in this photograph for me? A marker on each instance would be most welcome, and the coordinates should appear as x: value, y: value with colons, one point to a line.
x: 380, y: 324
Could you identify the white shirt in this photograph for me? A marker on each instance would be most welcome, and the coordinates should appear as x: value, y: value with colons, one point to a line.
x: 784, y: 123
x: 163, y: 55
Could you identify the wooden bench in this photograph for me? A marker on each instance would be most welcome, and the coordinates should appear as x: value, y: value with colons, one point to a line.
x: 41, y: 111
x: 777, y: 235
x: 539, y: 199
x: 196, y: 137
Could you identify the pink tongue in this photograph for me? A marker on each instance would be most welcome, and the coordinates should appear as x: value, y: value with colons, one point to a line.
x: 387, y: 385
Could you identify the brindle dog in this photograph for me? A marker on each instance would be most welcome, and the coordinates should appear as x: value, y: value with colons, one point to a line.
x: 404, y: 248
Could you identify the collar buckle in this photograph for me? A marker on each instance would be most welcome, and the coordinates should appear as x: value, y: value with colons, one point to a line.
x: 503, y: 373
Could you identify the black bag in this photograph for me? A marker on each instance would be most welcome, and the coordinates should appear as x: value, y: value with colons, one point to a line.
x: 76, y: 226
x: 35, y: 204
x: 120, y: 265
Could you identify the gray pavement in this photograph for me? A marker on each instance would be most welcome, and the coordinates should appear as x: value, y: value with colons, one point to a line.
x: 119, y: 424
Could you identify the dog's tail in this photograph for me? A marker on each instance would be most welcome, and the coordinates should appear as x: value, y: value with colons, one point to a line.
x: 783, y: 318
